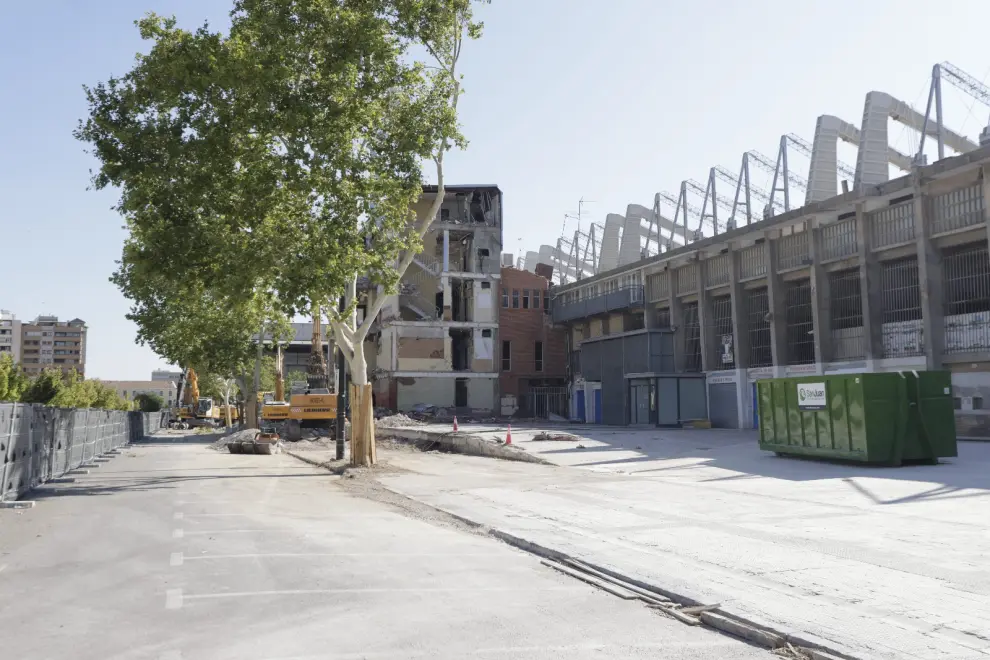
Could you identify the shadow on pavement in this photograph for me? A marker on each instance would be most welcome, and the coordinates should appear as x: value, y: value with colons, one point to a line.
x: 658, y: 452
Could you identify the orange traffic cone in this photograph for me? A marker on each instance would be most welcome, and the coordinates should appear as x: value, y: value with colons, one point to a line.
x: 455, y: 423
x: 508, y: 435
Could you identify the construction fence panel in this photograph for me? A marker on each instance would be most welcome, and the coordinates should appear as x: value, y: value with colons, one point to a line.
x: 38, y: 443
x: 41, y: 444
x: 18, y: 477
x: 61, y: 440
x: 77, y: 432
x: 6, y: 427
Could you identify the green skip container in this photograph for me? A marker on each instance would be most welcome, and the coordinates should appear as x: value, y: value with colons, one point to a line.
x: 883, y: 418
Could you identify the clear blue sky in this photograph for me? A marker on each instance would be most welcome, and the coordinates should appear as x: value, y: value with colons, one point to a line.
x: 611, y: 101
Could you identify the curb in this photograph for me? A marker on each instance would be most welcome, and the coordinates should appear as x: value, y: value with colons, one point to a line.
x: 462, y: 443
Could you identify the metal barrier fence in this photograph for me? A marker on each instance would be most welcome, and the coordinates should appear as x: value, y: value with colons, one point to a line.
x: 542, y: 402
x: 38, y: 443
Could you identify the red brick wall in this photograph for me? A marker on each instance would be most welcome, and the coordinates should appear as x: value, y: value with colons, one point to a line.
x: 523, y: 328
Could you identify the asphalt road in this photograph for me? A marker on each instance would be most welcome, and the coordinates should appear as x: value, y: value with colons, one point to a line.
x: 181, y: 553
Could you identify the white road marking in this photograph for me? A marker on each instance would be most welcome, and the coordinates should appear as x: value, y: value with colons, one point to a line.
x: 171, y: 655
x: 177, y: 533
x: 182, y: 598
x: 610, y: 650
x: 175, y: 559
x: 336, y: 554
x: 173, y: 599
x: 178, y: 515
x: 3, y: 567
x: 227, y: 531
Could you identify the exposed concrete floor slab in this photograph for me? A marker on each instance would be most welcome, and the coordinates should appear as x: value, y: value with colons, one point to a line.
x: 178, y: 552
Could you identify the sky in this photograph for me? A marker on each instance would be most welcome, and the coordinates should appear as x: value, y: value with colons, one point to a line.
x: 566, y: 99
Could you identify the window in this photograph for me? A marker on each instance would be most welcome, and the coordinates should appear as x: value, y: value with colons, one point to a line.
x: 539, y: 356
x: 525, y: 298
x: 486, y: 285
x: 536, y: 298
x: 505, y: 298
x: 515, y: 299
x: 546, y: 300
x: 506, y: 355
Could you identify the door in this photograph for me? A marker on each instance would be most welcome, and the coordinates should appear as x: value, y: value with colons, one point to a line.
x: 579, y: 413
x: 639, y: 402
x: 756, y: 410
x: 667, y: 402
x: 461, y: 393
x: 598, y: 406
x: 724, y: 408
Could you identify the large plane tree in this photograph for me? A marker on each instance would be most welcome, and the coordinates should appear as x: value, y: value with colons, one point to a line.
x: 281, y: 158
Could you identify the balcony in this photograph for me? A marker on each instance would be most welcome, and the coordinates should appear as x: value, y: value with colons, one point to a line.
x: 611, y: 301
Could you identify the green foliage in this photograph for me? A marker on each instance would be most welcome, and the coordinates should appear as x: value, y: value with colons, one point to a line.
x: 13, y: 380
x: 149, y: 402
x: 45, y: 387
x: 254, y: 166
x: 51, y: 388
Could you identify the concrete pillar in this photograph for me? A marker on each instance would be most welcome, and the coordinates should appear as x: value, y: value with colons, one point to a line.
x: 821, y: 310
x: 446, y: 250
x: 740, y: 329
x: 740, y: 341
x: 775, y: 299
x: 448, y: 311
x: 929, y: 284
x: 986, y: 195
x: 677, y: 320
x: 870, y: 288
x: 705, y: 315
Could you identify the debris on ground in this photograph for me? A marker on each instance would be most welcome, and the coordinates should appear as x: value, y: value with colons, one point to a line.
x: 238, y: 436
x: 543, y: 436
x: 398, y: 420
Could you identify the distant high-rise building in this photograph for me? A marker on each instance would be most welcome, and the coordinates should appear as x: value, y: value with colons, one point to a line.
x: 47, y: 342
x: 165, y: 374
x: 10, y: 335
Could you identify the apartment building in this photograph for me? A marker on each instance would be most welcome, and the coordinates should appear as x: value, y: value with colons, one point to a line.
x: 435, y: 341
x: 10, y: 335
x: 532, y: 354
x: 47, y: 342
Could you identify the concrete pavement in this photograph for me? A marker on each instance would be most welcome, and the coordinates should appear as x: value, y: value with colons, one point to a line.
x: 177, y: 552
x: 875, y: 562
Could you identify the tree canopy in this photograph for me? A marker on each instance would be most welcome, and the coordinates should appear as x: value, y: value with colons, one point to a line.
x: 263, y: 169
x: 251, y: 161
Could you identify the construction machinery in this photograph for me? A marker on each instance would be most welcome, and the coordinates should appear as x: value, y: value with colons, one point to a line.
x: 185, y: 412
x: 313, y: 405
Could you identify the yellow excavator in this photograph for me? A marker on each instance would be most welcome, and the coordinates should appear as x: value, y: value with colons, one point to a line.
x: 185, y: 412
x: 310, y: 405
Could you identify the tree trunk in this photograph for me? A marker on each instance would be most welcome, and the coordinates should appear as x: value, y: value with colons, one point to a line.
x: 226, y: 407
x: 363, y: 450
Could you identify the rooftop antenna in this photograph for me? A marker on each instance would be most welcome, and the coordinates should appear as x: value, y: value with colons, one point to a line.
x: 580, y: 213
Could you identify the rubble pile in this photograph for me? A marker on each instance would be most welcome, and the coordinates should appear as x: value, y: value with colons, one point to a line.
x: 239, y: 436
x: 398, y: 420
